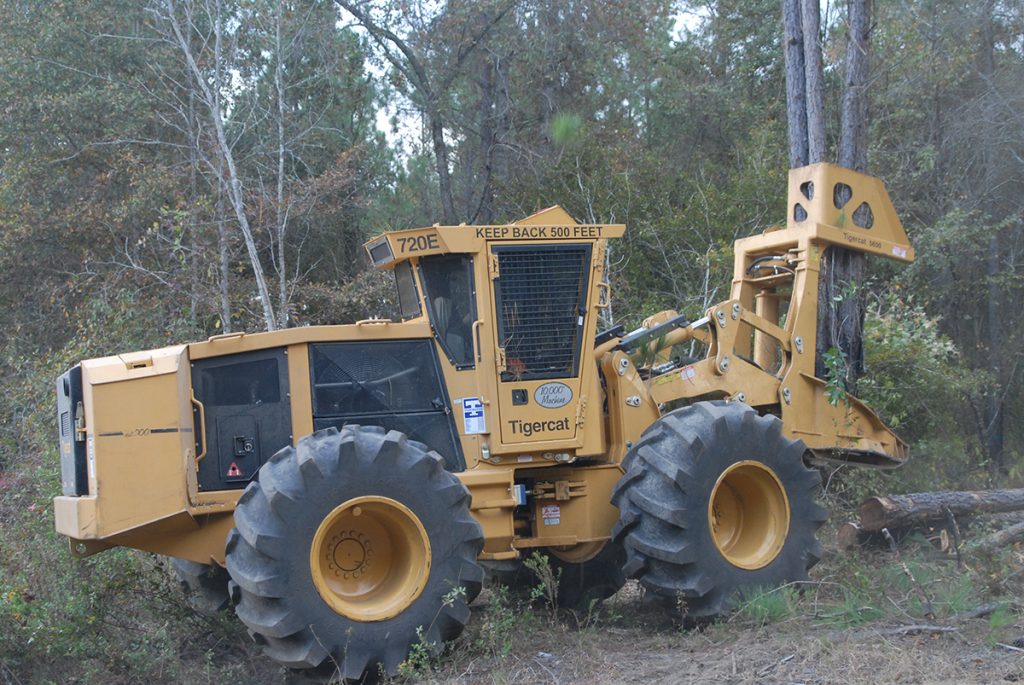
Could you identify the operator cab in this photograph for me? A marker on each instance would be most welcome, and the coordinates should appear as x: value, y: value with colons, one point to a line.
x: 510, y: 308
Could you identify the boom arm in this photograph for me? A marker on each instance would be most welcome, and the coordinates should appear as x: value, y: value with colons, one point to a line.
x: 761, y: 343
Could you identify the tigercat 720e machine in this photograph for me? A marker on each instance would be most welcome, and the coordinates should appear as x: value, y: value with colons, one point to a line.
x: 344, y: 483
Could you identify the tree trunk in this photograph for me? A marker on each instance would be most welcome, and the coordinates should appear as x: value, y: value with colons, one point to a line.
x: 901, y: 511
x: 993, y: 414
x: 485, y: 208
x: 853, y: 136
x: 814, y: 76
x: 281, y: 215
x: 796, y: 94
x: 444, y: 179
x: 502, y: 131
x: 224, y: 263
x: 850, y: 535
x: 193, y: 200
x: 211, y: 99
x: 841, y: 274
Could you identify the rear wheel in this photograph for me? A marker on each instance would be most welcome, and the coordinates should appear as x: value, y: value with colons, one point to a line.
x: 205, y: 585
x: 585, y: 577
x: 716, y: 500
x: 351, y: 548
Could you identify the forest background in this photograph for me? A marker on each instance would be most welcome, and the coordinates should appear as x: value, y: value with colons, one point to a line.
x: 173, y: 169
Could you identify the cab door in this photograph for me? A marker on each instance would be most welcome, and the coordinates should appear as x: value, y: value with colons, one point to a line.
x: 540, y: 295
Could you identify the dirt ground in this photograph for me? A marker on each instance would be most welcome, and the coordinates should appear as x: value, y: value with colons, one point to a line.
x: 797, y: 649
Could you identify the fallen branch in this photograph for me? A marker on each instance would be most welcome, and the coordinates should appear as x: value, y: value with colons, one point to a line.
x: 917, y: 630
x: 771, y: 667
x: 981, y: 611
x: 897, y: 631
x: 1004, y: 537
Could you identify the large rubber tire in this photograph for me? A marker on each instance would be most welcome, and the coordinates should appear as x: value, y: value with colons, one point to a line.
x: 205, y: 585
x: 666, y: 516
x: 279, y: 519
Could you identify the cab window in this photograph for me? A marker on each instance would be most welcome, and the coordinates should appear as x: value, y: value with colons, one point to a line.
x: 408, y: 298
x: 448, y: 285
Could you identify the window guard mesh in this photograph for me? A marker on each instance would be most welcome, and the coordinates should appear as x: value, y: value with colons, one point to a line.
x: 542, y: 296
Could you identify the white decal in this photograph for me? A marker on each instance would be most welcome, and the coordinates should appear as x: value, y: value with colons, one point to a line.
x: 686, y: 373
x: 473, y: 420
x: 552, y: 514
x: 90, y: 450
x: 553, y: 395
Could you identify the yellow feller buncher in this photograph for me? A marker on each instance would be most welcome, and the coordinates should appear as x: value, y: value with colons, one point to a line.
x: 344, y: 483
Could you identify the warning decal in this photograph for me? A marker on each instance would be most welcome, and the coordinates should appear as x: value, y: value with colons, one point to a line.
x: 473, y: 420
x: 233, y: 470
x: 552, y: 514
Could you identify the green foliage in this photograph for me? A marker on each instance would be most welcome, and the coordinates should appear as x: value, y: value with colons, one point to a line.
x: 917, y: 381
x: 503, y: 621
x: 566, y: 128
x: 998, y: 622
x: 835, y: 376
x: 548, y: 577
x: 769, y: 605
x: 420, y: 659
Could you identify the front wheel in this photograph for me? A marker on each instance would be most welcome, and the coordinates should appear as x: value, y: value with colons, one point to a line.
x: 351, y: 548
x: 715, y: 501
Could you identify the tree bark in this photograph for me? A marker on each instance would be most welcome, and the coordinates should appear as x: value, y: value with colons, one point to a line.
x: 853, y: 137
x: 281, y: 214
x: 841, y: 274
x: 993, y: 415
x: 796, y: 93
x: 223, y: 282
x: 1007, y: 536
x: 901, y: 511
x: 444, y: 179
x: 193, y: 189
x: 488, y: 85
x: 814, y: 77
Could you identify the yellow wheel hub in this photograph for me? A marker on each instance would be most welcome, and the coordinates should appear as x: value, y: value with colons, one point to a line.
x: 749, y: 515
x: 370, y: 558
x: 578, y: 553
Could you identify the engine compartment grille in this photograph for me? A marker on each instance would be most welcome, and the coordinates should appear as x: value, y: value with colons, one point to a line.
x: 541, y: 293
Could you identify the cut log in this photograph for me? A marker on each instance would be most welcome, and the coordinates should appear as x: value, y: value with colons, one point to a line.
x: 901, y: 511
x: 1006, y: 536
x: 850, y: 535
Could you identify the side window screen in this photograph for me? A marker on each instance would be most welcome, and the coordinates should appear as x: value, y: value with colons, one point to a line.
x: 448, y: 282
x: 408, y: 298
x: 245, y: 383
x: 381, y: 377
